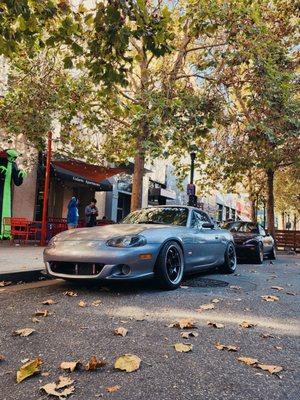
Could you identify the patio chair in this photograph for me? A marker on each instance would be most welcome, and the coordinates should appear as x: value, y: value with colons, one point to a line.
x: 19, y: 229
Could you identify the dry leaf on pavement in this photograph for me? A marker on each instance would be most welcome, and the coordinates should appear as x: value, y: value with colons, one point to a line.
x: 120, y: 331
x: 187, y: 335
x: 279, y: 288
x: 69, y: 365
x: 235, y: 287
x: 2, y: 358
x: 94, y: 364
x: 49, y: 302
x: 290, y: 293
x: 54, y: 389
x: 5, y: 283
x: 96, y: 303
x: 269, y: 297
x: 246, y: 324
x: 23, y: 332
x: 229, y: 347
x: 70, y: 293
x: 128, y: 363
x: 43, y: 313
x: 248, y: 360
x: 113, y: 389
x: 183, y: 347
x: 205, y: 307
x: 216, y: 325
x: 215, y: 301
x: 183, y: 324
x: 82, y: 303
x: 273, y: 369
x: 35, y: 320
x: 266, y: 335
x: 28, y: 369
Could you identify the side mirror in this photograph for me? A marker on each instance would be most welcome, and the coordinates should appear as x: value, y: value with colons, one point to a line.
x: 208, y: 225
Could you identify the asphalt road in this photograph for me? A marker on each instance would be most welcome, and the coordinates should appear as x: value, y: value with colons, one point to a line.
x: 73, y: 333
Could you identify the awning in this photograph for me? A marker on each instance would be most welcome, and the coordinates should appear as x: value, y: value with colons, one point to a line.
x: 85, y: 174
x: 166, y: 193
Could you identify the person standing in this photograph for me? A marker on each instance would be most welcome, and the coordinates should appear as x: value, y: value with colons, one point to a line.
x: 91, y: 213
x: 73, y: 215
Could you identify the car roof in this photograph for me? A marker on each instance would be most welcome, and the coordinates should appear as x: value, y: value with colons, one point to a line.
x: 176, y: 206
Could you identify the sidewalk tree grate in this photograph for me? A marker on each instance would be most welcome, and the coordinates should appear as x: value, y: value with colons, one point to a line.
x: 204, y: 282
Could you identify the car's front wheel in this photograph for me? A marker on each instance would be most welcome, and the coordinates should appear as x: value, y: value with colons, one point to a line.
x: 259, y: 254
x: 272, y: 254
x: 169, y: 266
x: 230, y: 261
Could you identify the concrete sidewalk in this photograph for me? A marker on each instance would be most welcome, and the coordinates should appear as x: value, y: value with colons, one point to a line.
x: 18, y: 263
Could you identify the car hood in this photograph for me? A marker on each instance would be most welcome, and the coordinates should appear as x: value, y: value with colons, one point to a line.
x: 107, y: 231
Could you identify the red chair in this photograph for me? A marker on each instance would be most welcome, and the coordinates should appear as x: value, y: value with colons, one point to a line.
x: 19, y: 229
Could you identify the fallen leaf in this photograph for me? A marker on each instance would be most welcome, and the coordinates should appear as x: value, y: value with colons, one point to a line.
x: 279, y: 288
x: 54, y: 389
x: 5, y: 283
x: 266, y: 335
x: 246, y: 324
x: 278, y: 347
x: 269, y: 297
x: 45, y: 374
x: 184, y: 324
x: 215, y: 301
x: 229, y: 347
x: 49, y: 302
x: 69, y: 365
x: 25, y: 360
x: 23, y: 332
x: 2, y: 358
x: 35, y: 320
x: 184, y: 287
x: 183, y: 347
x: 82, y: 303
x: 128, y: 363
x: 235, y: 287
x: 290, y: 293
x: 70, y: 293
x: 120, y: 331
x: 205, y: 307
x: 113, y: 389
x: 94, y: 364
x: 216, y: 325
x: 28, y: 369
x: 248, y: 360
x: 96, y: 303
x: 44, y: 313
x: 273, y: 369
x: 187, y: 335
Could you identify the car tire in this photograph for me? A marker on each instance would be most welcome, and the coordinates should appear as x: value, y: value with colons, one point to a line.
x: 169, y: 267
x: 272, y: 254
x: 230, y: 263
x: 259, y: 254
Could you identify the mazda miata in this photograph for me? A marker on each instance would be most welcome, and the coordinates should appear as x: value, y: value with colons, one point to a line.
x: 162, y: 242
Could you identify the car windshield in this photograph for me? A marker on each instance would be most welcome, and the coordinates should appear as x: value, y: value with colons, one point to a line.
x: 158, y: 215
x: 243, y: 227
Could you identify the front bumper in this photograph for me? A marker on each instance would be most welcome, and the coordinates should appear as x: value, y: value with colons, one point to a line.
x: 68, y: 260
x: 245, y: 251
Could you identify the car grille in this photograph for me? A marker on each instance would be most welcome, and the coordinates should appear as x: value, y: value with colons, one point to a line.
x: 76, y: 268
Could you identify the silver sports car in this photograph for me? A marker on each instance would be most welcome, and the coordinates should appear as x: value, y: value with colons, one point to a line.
x: 164, y: 242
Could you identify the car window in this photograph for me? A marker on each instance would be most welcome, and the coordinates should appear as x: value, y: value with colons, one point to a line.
x: 198, y: 219
x: 158, y: 215
x: 243, y: 227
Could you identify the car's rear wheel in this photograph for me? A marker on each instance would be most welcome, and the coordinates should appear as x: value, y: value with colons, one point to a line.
x: 169, y: 266
x: 230, y: 260
x: 272, y: 254
x: 259, y: 254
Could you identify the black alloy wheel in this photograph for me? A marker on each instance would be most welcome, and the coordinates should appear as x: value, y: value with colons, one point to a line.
x: 170, y: 265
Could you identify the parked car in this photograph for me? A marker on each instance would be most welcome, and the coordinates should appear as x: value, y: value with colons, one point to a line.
x: 163, y: 242
x: 251, y: 240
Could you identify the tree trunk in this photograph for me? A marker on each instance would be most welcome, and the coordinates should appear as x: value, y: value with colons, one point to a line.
x: 283, y: 220
x: 253, y: 211
x: 137, y: 181
x: 270, y: 202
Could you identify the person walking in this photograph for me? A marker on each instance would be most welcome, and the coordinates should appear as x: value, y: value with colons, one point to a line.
x: 73, y: 215
x: 91, y: 213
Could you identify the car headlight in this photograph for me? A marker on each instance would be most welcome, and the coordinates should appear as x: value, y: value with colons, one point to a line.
x: 127, y: 241
x: 52, y: 242
x: 250, y: 242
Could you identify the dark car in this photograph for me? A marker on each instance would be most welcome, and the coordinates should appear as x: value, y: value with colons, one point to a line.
x: 251, y: 240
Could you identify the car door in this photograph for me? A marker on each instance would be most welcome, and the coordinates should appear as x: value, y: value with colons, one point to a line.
x: 204, y: 241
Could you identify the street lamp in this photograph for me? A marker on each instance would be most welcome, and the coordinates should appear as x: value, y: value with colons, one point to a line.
x: 191, y: 188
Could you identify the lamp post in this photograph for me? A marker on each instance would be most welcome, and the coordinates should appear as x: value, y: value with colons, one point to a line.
x: 46, y: 190
x: 191, y: 188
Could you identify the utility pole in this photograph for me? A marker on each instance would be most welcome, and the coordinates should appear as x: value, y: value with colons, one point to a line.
x: 46, y: 190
